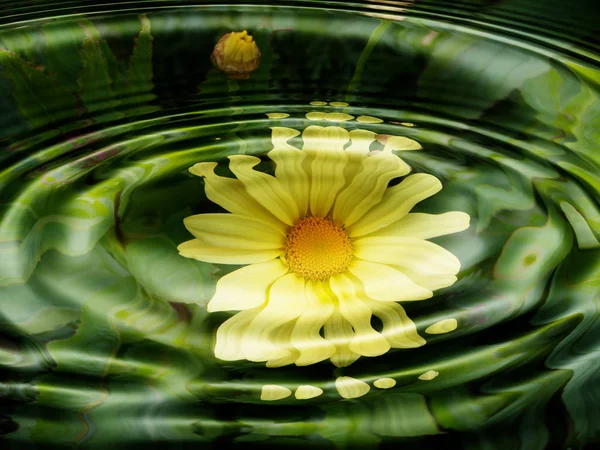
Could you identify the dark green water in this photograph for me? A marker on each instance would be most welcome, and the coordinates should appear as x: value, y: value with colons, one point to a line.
x: 105, y: 341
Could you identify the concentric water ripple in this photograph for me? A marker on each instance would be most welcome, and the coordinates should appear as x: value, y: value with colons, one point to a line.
x: 105, y: 339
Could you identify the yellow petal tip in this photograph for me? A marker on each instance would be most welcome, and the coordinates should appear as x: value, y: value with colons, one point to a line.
x: 307, y: 391
x: 272, y: 392
x: 429, y: 375
x: 277, y: 115
x: 203, y: 169
x: 349, y: 387
x: 443, y: 326
x: 384, y: 383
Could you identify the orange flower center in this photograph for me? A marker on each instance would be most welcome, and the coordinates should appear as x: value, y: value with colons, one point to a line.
x: 316, y: 248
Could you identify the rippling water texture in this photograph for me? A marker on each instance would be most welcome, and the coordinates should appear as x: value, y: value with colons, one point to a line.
x: 105, y: 339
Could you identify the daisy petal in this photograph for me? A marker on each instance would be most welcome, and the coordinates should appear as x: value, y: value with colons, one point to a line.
x: 285, y: 361
x: 236, y: 232
x: 368, y: 187
x: 201, y: 251
x: 366, y: 340
x: 289, y: 171
x: 386, y: 284
x: 229, y: 335
x: 282, y: 340
x: 406, y: 252
x: 230, y: 193
x: 398, y: 329
x: 327, y: 159
x: 306, y: 336
x: 286, y: 302
x: 357, y: 151
x: 398, y: 143
x: 339, y: 331
x: 426, y: 226
x: 349, y: 387
x: 360, y: 142
x: 396, y: 203
x: 247, y: 287
x: 265, y: 189
x: 432, y: 281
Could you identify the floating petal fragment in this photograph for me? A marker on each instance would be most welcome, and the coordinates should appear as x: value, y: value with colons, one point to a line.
x: 338, y: 117
x: 349, y: 387
x: 384, y: 383
x: 316, y: 115
x: 331, y: 117
x: 429, y: 375
x: 277, y: 115
x: 398, y: 143
x: 443, y: 326
x: 271, y: 392
x: 368, y: 119
x: 307, y: 391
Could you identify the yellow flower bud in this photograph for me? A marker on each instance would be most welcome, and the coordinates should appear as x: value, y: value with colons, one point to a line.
x: 236, y: 55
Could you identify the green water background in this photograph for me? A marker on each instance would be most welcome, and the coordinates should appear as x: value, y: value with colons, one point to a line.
x: 104, y: 336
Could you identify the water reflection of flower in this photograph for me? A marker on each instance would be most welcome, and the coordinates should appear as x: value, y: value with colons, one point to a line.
x: 326, y: 244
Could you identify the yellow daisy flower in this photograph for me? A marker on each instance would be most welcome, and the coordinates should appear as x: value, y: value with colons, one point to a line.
x: 326, y: 243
